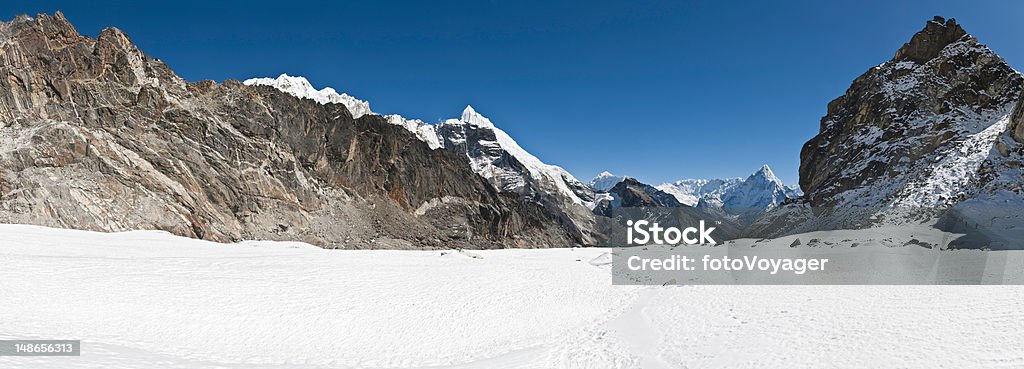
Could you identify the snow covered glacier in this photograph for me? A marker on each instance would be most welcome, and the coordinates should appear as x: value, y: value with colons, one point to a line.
x: 148, y: 299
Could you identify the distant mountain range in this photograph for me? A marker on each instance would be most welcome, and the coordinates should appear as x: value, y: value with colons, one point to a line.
x: 95, y: 134
x: 762, y: 190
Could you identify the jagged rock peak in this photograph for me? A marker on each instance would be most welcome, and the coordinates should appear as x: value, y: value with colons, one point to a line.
x: 56, y: 25
x: 926, y: 44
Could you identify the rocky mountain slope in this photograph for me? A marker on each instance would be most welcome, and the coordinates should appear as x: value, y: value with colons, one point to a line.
x: 95, y: 134
x: 923, y: 130
x: 490, y: 152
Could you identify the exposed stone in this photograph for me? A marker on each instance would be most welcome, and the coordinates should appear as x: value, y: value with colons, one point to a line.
x: 1017, y: 121
x: 632, y: 193
x: 878, y: 142
x: 96, y: 135
x: 927, y: 44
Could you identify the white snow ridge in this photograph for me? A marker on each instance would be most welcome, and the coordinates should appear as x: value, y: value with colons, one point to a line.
x: 300, y: 87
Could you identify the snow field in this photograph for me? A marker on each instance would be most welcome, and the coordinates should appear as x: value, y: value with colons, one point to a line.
x: 149, y: 299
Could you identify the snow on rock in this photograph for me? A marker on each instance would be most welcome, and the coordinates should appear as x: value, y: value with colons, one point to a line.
x: 915, y: 130
x: 951, y: 176
x: 488, y: 159
x: 424, y: 131
x: 605, y: 181
x: 493, y: 154
x: 793, y: 191
x: 300, y: 87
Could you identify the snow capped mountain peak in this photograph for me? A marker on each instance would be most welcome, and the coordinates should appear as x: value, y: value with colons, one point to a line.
x: 469, y: 115
x: 766, y: 175
x: 605, y: 181
x: 762, y: 189
x: 300, y: 87
x: 490, y: 164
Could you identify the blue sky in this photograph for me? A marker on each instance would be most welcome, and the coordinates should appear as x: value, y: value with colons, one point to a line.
x: 658, y: 90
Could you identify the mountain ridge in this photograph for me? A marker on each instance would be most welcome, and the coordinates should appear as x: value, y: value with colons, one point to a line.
x: 718, y: 192
x: 97, y: 135
x: 490, y: 152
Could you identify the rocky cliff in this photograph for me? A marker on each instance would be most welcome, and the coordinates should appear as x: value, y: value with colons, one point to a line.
x: 95, y: 134
x: 490, y: 152
x: 1017, y: 121
x: 913, y: 131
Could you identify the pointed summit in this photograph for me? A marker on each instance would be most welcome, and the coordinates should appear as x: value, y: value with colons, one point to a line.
x: 766, y: 173
x: 469, y: 115
x: 926, y: 44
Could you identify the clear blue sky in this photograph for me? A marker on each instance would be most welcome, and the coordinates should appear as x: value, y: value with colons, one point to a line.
x: 657, y: 90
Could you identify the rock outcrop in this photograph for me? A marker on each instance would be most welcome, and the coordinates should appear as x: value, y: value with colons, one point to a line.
x: 1017, y: 121
x: 928, y: 44
x: 915, y: 130
x: 631, y: 193
x: 95, y: 134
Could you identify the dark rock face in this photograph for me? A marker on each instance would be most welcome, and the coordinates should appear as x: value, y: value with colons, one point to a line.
x: 1017, y: 121
x: 633, y: 194
x: 927, y: 44
x: 892, y: 138
x: 96, y: 135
